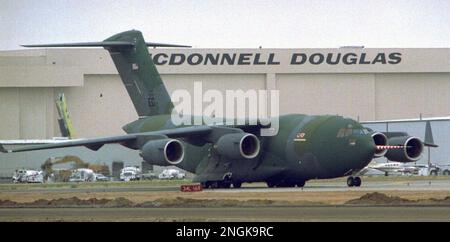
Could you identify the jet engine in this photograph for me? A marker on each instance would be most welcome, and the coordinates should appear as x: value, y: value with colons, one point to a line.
x: 411, y: 149
x: 163, y: 152
x: 380, y: 140
x: 238, y: 145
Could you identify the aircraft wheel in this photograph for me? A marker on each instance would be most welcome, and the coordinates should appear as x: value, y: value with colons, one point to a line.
x: 237, y: 184
x: 205, y: 185
x: 270, y: 184
x: 224, y: 184
x: 214, y: 185
x: 357, y: 181
x: 350, y: 181
x: 300, y: 184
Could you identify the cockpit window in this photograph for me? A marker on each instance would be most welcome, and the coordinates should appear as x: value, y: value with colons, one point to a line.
x: 366, y: 130
x: 358, y: 131
x: 345, y: 132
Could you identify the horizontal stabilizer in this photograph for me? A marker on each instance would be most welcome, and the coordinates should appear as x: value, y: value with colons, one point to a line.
x: 88, y: 44
x: 106, y: 44
x: 166, y: 45
x: 130, y: 54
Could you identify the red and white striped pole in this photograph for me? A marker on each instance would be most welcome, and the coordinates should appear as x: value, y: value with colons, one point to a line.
x: 389, y: 147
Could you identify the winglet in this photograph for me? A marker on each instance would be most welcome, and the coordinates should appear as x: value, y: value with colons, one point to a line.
x: 429, y: 141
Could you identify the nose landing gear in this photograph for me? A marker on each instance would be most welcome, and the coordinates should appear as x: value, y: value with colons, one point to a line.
x: 353, y: 181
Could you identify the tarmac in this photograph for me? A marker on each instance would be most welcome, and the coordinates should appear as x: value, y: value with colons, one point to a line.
x: 318, y: 201
x: 315, y: 186
x: 235, y: 214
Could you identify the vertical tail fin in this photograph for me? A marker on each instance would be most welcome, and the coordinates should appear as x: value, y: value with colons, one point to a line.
x: 137, y: 70
x: 65, y: 124
x: 139, y: 75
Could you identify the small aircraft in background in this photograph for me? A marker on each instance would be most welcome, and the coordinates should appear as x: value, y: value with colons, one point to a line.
x: 65, y: 126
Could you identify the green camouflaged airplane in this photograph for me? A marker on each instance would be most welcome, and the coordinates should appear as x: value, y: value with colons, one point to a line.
x: 306, y: 147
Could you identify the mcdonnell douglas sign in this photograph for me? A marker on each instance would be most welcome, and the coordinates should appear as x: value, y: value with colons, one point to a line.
x: 307, y: 60
x: 247, y: 58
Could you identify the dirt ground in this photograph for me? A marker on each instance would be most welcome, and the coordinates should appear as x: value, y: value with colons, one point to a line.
x: 318, y: 193
x: 298, y: 197
x: 390, y: 200
x: 229, y: 214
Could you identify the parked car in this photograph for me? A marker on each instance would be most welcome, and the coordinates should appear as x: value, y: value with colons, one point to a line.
x: 82, y: 175
x: 130, y: 173
x: 100, y: 177
x: 172, y: 174
x: 27, y: 176
x: 149, y: 176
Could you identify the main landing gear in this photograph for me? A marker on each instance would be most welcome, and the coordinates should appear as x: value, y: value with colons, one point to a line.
x: 220, y: 184
x: 353, y: 181
x: 272, y: 184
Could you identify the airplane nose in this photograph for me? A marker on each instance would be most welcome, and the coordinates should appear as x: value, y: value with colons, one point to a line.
x: 367, y: 147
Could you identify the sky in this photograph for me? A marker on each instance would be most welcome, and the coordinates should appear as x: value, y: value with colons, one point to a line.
x: 230, y: 23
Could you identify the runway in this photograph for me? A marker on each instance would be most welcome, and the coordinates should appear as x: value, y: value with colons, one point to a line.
x: 248, y: 214
x: 322, y: 200
x: 314, y: 186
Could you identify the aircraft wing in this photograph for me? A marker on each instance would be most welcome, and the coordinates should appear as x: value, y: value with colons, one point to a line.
x: 429, y: 141
x: 34, y: 141
x: 133, y: 141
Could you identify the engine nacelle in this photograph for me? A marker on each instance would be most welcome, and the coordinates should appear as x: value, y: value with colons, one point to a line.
x: 411, y: 151
x: 238, y: 146
x: 163, y: 152
x: 379, y: 139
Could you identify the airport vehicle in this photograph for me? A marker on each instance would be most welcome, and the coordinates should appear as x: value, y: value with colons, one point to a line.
x: 130, y: 173
x: 435, y: 170
x: 305, y: 146
x: 171, y: 174
x: 27, y: 176
x: 82, y: 175
x: 63, y: 175
x: 149, y: 176
x: 100, y: 177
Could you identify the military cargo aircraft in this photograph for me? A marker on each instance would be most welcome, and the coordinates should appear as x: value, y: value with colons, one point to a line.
x: 306, y: 147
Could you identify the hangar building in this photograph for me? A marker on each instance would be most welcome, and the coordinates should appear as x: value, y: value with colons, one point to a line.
x: 361, y: 83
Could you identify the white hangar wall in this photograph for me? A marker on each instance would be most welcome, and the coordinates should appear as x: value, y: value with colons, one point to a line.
x: 414, y: 82
x: 417, y: 83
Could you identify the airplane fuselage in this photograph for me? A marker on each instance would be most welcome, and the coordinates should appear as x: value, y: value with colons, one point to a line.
x: 306, y: 147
